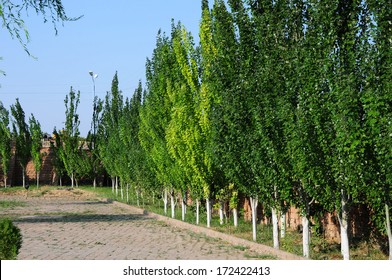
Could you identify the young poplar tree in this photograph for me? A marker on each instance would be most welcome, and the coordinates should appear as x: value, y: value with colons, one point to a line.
x: 5, y: 142
x: 109, y: 148
x: 155, y: 117
x: 36, y: 145
x: 69, y: 136
x: 22, y: 137
x: 378, y: 109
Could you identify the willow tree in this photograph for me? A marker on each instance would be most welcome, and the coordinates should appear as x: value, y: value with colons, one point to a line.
x: 22, y: 137
x: 36, y: 145
x: 5, y: 142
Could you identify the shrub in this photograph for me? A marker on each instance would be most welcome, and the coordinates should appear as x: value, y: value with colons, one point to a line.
x: 10, y: 240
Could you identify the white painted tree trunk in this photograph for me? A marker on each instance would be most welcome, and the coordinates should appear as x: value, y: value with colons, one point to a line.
x: 221, y: 213
x: 95, y: 182
x: 235, y: 217
x: 137, y: 197
x: 72, y: 180
x: 183, y: 207
x: 305, y: 237
x: 116, y: 186
x: 283, y: 225
x: 197, y: 211
x: 127, y: 190
x: 208, y: 206
x: 113, y: 184
x: 5, y: 181
x: 389, y: 231
x: 253, y: 205
x: 122, y: 190
x: 275, y: 227
x: 343, y: 220
x: 172, y: 204
x: 165, y: 200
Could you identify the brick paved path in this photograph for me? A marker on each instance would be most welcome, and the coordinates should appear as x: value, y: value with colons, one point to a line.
x: 72, y: 229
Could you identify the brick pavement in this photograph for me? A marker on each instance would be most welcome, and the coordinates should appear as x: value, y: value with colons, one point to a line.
x: 72, y: 229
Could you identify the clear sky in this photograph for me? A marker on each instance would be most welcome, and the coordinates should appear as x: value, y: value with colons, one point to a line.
x: 112, y: 36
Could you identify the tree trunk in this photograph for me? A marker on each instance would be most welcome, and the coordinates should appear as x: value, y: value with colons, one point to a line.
x: 275, y: 228
x: 283, y: 225
x: 137, y: 197
x: 172, y: 204
x: 72, y: 180
x: 305, y: 236
x: 208, y: 206
x: 235, y: 217
x: 165, y: 200
x: 95, y: 182
x: 389, y: 231
x: 122, y: 190
x: 127, y: 193
x: 116, y: 186
x: 113, y: 183
x: 197, y: 211
x: 37, y: 174
x: 343, y: 220
x: 253, y: 205
x: 183, y: 209
x: 5, y: 181
x: 24, y: 176
x: 221, y: 213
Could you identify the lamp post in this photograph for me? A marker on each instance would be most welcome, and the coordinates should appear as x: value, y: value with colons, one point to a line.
x: 93, y: 77
x: 94, y: 122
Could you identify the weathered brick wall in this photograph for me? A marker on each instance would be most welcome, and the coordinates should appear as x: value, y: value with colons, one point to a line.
x: 15, y: 170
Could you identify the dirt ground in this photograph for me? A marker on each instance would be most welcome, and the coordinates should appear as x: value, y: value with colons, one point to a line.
x: 76, y: 225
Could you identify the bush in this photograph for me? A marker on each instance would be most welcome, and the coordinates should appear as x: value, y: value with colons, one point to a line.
x: 10, y: 240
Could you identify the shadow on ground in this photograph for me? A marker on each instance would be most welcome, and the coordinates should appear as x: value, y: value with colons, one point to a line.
x: 81, y: 218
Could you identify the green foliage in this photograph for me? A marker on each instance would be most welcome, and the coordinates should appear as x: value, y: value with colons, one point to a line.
x: 22, y: 136
x: 69, y: 136
x: 10, y: 240
x: 5, y: 141
x: 11, y: 15
x: 36, y: 144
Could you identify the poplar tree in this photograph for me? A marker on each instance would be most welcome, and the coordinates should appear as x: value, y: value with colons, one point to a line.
x: 378, y: 110
x: 155, y: 116
x: 36, y: 145
x: 5, y: 142
x: 22, y: 137
x: 69, y: 136
x: 109, y: 149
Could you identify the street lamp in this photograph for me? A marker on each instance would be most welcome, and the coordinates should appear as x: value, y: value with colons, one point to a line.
x: 93, y: 77
x: 95, y: 121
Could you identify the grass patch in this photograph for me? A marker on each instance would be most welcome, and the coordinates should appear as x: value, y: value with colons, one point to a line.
x: 11, y: 204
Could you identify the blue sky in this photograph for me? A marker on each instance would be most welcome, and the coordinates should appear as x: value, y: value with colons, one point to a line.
x: 112, y: 36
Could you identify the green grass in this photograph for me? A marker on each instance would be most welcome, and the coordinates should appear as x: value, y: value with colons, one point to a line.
x: 11, y: 204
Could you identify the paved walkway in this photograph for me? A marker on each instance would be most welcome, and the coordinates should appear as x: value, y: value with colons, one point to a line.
x: 67, y: 228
